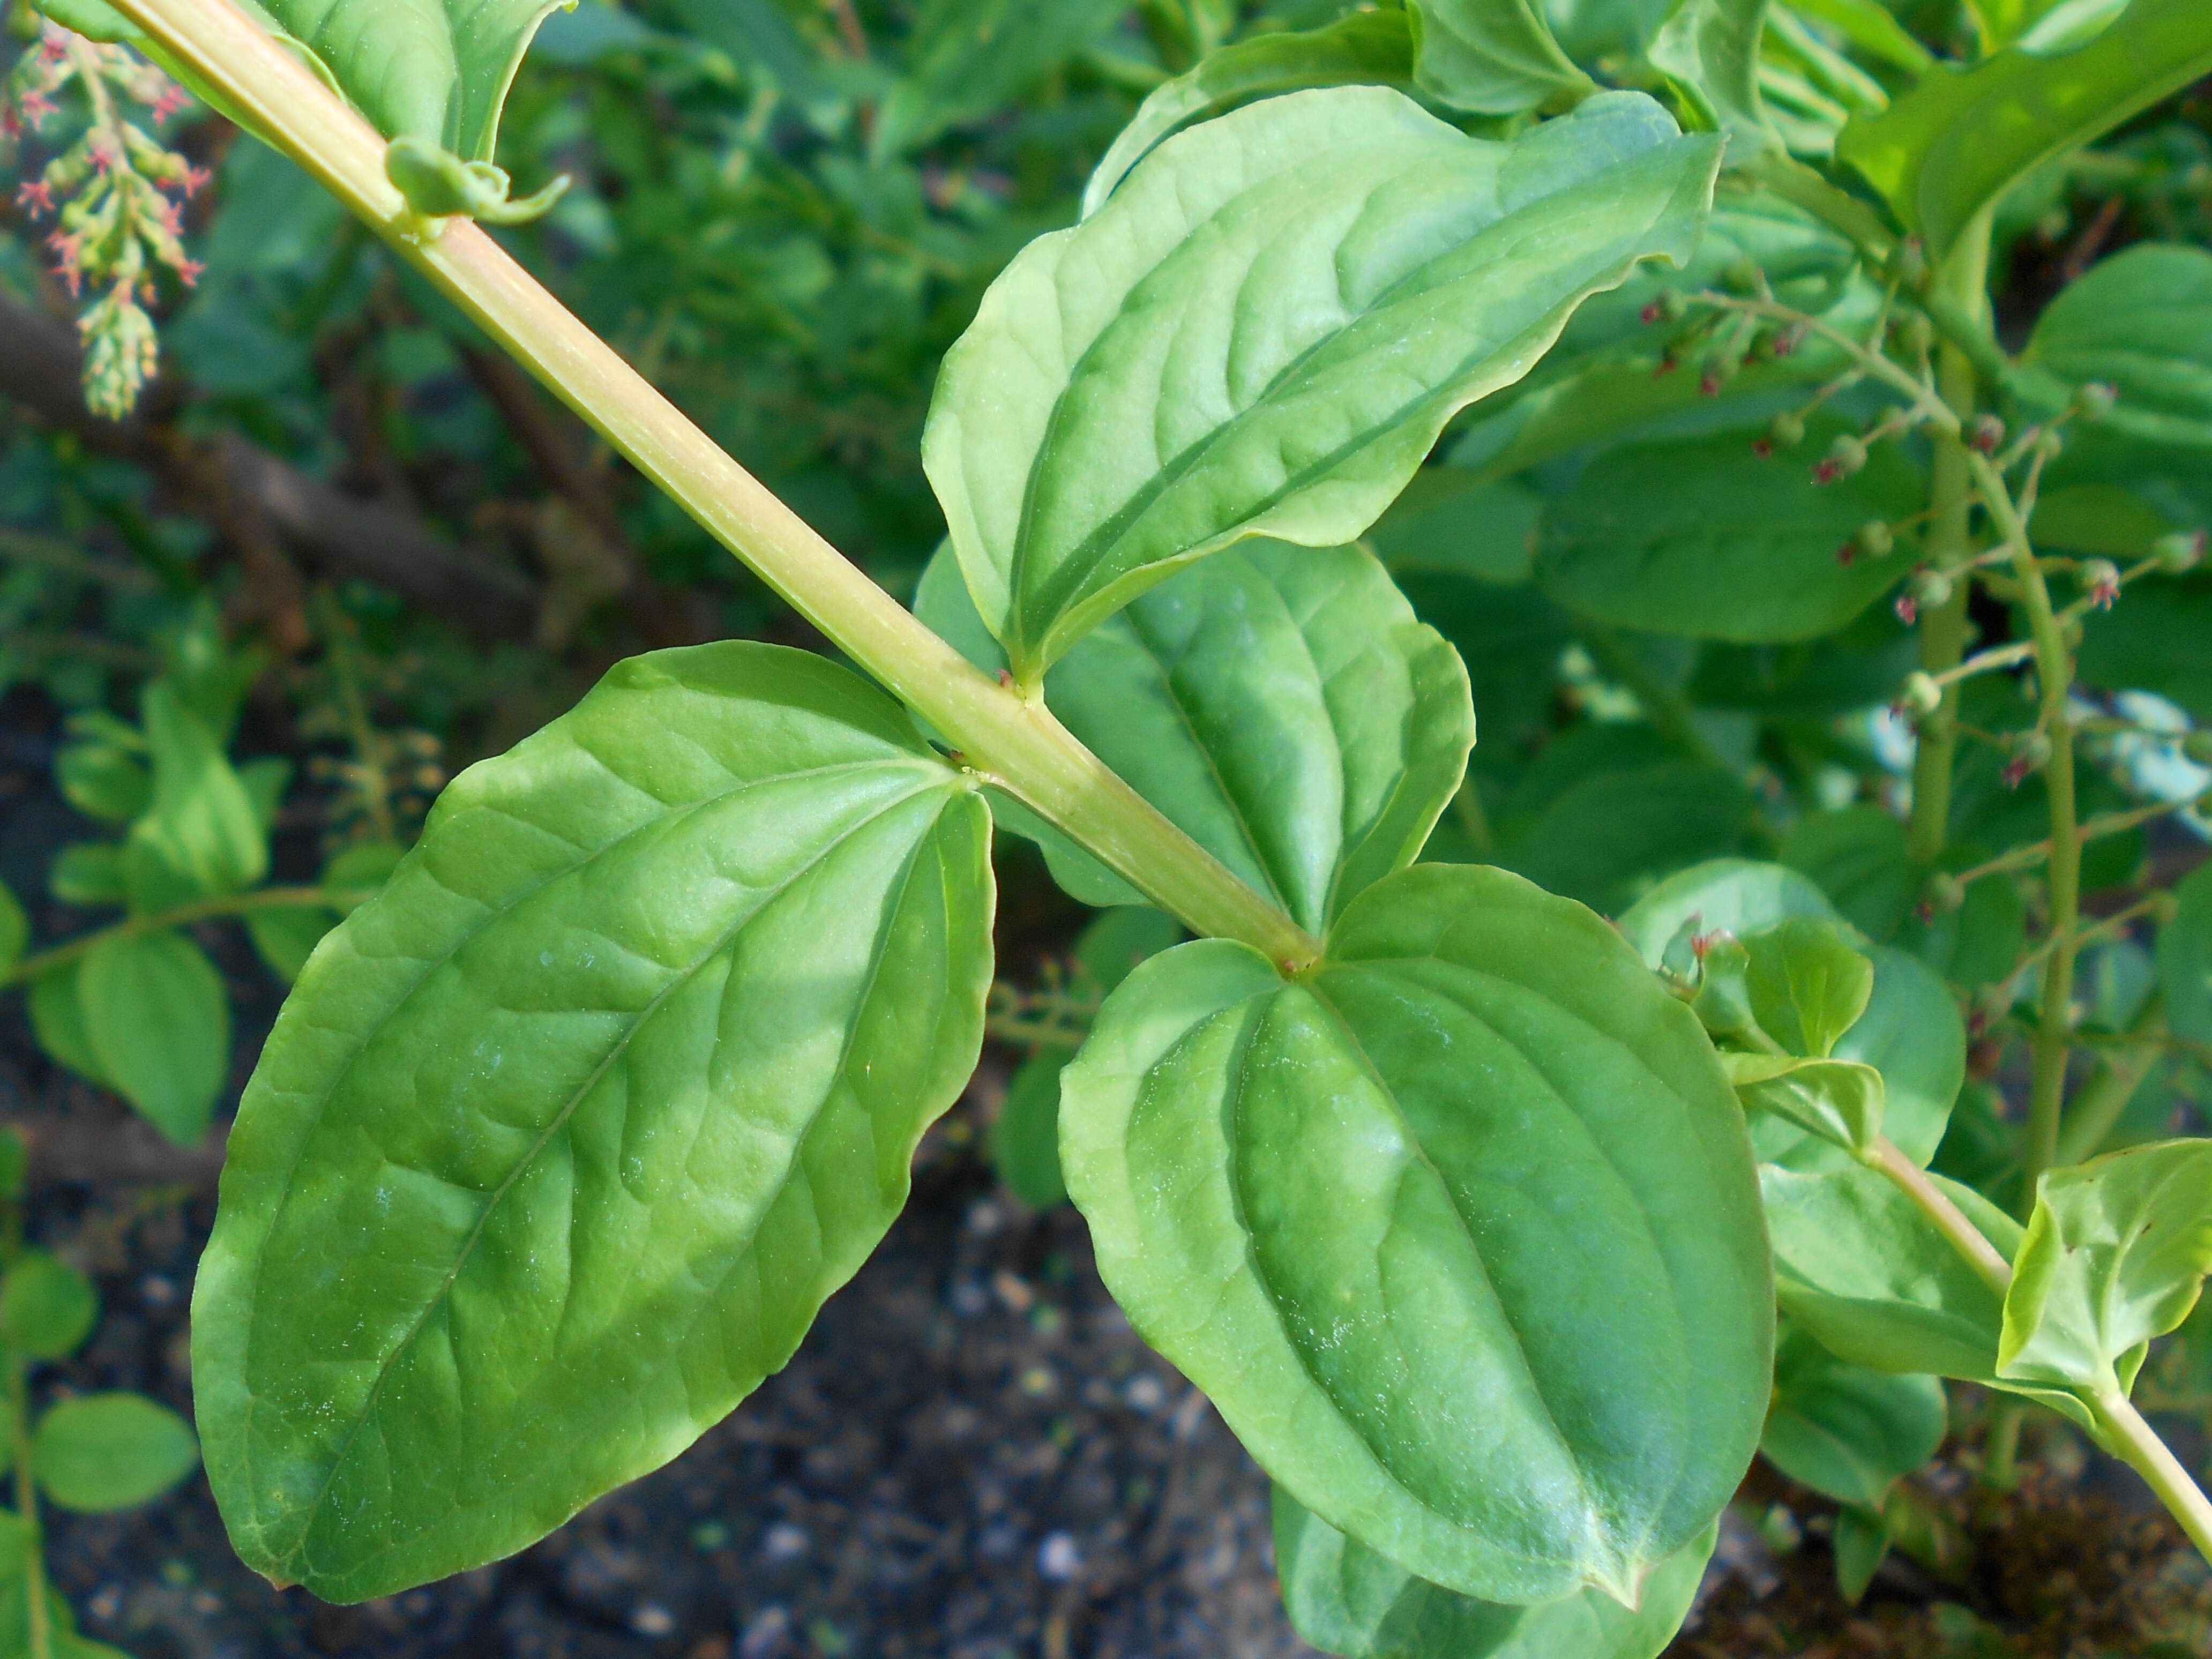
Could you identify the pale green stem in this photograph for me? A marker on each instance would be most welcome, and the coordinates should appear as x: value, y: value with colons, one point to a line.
x: 184, y: 915
x: 1965, y: 280
x: 1984, y: 1257
x: 1003, y: 736
x: 2110, y: 824
x: 2054, y: 670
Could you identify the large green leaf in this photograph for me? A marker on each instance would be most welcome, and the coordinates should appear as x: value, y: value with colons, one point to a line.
x: 1262, y: 332
x: 435, y: 70
x: 1458, y: 1230
x: 1491, y: 57
x: 1280, y: 703
x: 1956, y: 141
x: 2185, y: 958
x: 2116, y: 1254
x: 1369, y: 47
x: 1347, y: 1599
x: 1709, y: 50
x: 1703, y: 537
x: 1844, y: 1430
x: 156, y: 1018
x: 973, y: 57
x: 2142, y: 323
x: 563, y: 1138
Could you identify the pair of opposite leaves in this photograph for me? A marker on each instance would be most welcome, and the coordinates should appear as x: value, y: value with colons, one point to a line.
x: 564, y: 1139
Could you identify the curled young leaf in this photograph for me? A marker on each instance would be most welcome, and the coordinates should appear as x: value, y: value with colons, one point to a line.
x: 1262, y: 332
x: 563, y: 1138
x: 1347, y: 1599
x: 1458, y: 1230
x: 1838, y: 1100
x: 1709, y: 50
x: 1491, y: 57
x: 1281, y: 704
x: 2116, y: 1254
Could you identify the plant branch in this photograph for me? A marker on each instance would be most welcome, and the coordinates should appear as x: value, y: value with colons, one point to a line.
x: 184, y: 915
x: 2111, y: 823
x: 1984, y: 1257
x: 2137, y: 1442
x: 999, y: 734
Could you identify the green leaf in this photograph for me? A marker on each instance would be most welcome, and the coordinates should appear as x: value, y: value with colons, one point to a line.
x: 1979, y: 943
x: 1862, y: 1545
x: 1262, y: 332
x: 286, y: 937
x: 156, y: 1017
x: 364, y: 864
x: 2142, y: 323
x: 439, y: 184
x: 1808, y: 986
x: 1448, y: 523
x: 435, y: 70
x: 57, y: 1012
x: 1025, y: 1138
x: 47, y: 1308
x: 1703, y: 537
x: 1602, y: 837
x: 1861, y: 858
x: 1733, y: 895
x: 95, y: 20
x: 1840, y: 1101
x: 562, y: 1139
x: 1345, y: 1598
x: 971, y: 58
x: 1955, y: 144
x: 1491, y: 57
x: 106, y: 779
x: 100, y: 1452
x: 2154, y: 641
x: 202, y: 835
x: 1340, y: 1207
x: 89, y: 873
x: 1709, y: 50
x: 1871, y: 26
x: 1280, y: 703
x: 15, y: 929
x: 2185, y: 958
x: 2116, y: 1254
x: 1110, y: 946
x: 1845, y: 1432
x: 1366, y: 47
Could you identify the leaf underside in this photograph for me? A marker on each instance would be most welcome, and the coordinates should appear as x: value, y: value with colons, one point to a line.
x: 563, y: 1139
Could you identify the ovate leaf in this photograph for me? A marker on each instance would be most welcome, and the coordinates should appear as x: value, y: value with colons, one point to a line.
x: 100, y: 1452
x: 437, y: 71
x: 1701, y: 537
x: 2116, y: 1254
x: 2142, y: 323
x: 1281, y: 704
x: 562, y: 1139
x: 1491, y: 57
x: 1838, y: 1100
x: 1709, y: 50
x: 57, y: 1012
x: 1848, y: 1433
x: 202, y: 834
x: 1368, y: 47
x: 1368, y: 1212
x: 1733, y: 895
x: 1955, y: 143
x: 1808, y: 986
x: 1347, y: 1599
x: 46, y: 1306
x: 1264, y: 329
x: 2185, y: 958
x: 1026, y: 1137
x: 156, y: 1017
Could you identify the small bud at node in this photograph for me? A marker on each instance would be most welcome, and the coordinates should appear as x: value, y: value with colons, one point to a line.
x: 2179, y: 552
x: 1741, y: 275
x: 2100, y: 583
x: 1846, y: 455
x: 1945, y: 893
x: 1876, y: 539
x: 1911, y: 263
x: 1931, y: 587
x: 1985, y: 433
x: 1787, y: 431
x: 1922, y: 696
x: 2094, y: 401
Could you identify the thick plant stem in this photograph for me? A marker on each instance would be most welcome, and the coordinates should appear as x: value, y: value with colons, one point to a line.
x: 1944, y: 630
x: 2150, y: 1457
x: 2054, y: 672
x: 1002, y: 736
x: 184, y: 915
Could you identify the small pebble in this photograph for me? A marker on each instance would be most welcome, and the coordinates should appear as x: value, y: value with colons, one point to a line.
x: 785, y: 1542
x: 1144, y: 1393
x: 1058, y: 1559
x: 158, y: 1290
x: 205, y: 1602
x: 969, y: 1299
x: 767, y: 1634
x: 650, y: 1618
x: 985, y: 1218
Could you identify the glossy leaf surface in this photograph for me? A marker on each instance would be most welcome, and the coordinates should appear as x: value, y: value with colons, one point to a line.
x: 1342, y: 1207
x: 1263, y: 330
x: 1846, y: 1431
x: 1955, y: 144
x: 1347, y: 1599
x: 1702, y: 538
x: 563, y: 1139
x: 2116, y: 1254
x: 1281, y: 704
x: 1491, y: 57
x: 1366, y: 47
x: 2142, y: 323
x: 99, y: 1452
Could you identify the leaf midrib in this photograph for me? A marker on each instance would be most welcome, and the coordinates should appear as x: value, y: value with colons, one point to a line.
x: 295, y: 1554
